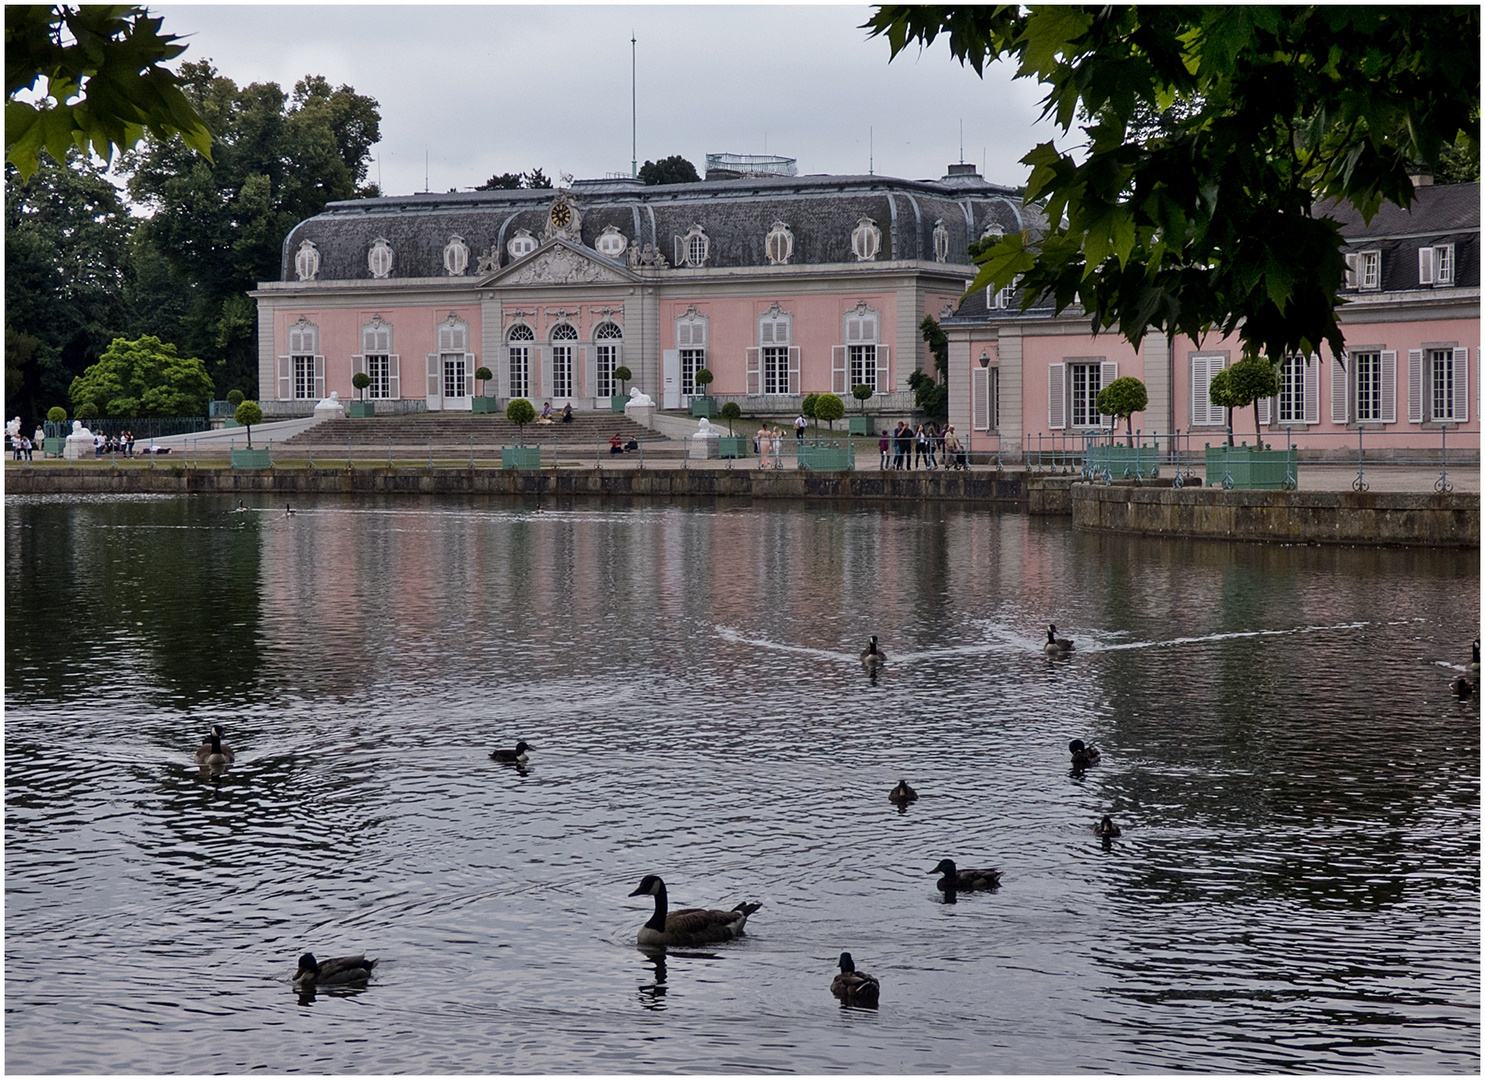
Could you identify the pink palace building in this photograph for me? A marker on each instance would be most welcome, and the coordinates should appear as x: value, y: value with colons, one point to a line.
x: 780, y: 285
x: 1020, y: 380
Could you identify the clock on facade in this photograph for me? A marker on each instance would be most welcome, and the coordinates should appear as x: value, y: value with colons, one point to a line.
x: 561, y: 215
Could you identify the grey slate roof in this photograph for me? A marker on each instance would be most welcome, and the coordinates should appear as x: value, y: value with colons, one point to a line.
x: 821, y: 211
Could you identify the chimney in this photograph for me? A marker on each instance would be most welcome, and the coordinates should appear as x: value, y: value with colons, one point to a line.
x: 1421, y: 175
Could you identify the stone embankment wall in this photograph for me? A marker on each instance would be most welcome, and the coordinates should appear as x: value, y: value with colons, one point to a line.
x: 1302, y: 517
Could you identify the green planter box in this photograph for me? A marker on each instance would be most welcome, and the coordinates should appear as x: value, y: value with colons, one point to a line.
x: 361, y: 409
x: 1247, y: 468
x: 704, y: 406
x: 827, y: 456
x: 520, y: 457
x: 1121, y: 462
x: 860, y: 425
x: 251, y: 459
x: 53, y: 447
x: 229, y: 422
x: 617, y: 402
x: 734, y: 446
x: 484, y: 405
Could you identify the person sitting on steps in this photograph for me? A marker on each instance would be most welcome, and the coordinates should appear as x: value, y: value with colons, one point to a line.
x: 567, y: 413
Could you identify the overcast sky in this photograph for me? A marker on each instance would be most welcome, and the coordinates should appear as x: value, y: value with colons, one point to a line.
x: 486, y: 89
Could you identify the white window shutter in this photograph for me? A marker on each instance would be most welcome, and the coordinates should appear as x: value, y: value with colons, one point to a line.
x: 1462, y: 386
x: 1353, y: 271
x: 853, y: 330
x: 1056, y: 396
x: 680, y: 252
x: 1312, y: 390
x: 1415, y: 386
x: 883, y: 376
x: 1338, y: 412
x: 590, y: 370
x: 1108, y: 371
x: 544, y: 365
x: 469, y: 366
x: 319, y: 378
x: 754, y: 376
x: 682, y: 335
x: 979, y: 379
x: 502, y: 376
x: 1265, y: 411
x: 869, y: 328
x: 793, y: 369
x: 1425, y: 266
x: 394, y: 377
x: 1201, y: 380
x: 285, y: 378
x: 1389, y: 386
x: 435, y: 382
x: 838, y: 369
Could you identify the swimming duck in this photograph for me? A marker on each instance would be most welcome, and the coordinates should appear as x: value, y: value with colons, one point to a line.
x: 956, y: 880
x: 1475, y: 655
x: 516, y: 756
x: 1056, y: 645
x: 341, y: 971
x: 689, y: 926
x: 902, y: 794
x: 213, y: 752
x: 871, y: 656
x: 855, y: 987
x: 1106, y: 828
x: 1461, y: 687
x: 289, y: 510
x: 1083, y: 755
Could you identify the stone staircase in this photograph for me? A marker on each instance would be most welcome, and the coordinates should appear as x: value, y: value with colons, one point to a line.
x: 446, y: 434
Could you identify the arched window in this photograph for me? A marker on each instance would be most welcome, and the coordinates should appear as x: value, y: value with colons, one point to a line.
x: 690, y: 340
x: 564, y: 356
x: 301, y: 371
x: 456, y: 256
x: 861, y: 360
x: 379, y: 258
x: 611, y: 242
x: 608, y: 342
x: 693, y: 248
x: 866, y: 240
x: 521, y: 245
x: 778, y: 245
x: 773, y: 365
x: 378, y: 360
x: 519, y: 341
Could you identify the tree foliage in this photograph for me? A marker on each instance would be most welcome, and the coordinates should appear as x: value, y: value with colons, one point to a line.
x: 1121, y: 399
x: 512, y: 181
x: 932, y: 397
x: 247, y: 414
x: 520, y: 412
x: 830, y: 408
x: 104, y: 86
x: 1215, y: 218
x: 672, y: 170
x: 807, y: 406
x: 730, y: 412
x: 1244, y: 383
x: 144, y: 377
x: 862, y: 393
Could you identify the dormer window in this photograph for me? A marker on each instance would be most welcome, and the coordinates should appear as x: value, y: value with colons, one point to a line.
x: 521, y: 245
x: 992, y: 231
x: 456, y: 256
x: 940, y: 241
x: 611, y: 242
x: 693, y: 248
x: 1364, y: 270
x: 779, y: 244
x: 379, y: 258
x: 866, y: 240
x: 1436, y: 265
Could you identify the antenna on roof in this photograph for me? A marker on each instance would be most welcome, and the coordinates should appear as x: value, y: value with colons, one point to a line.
x: 871, y: 157
x: 633, y: 107
x: 961, y: 140
x: 425, y: 170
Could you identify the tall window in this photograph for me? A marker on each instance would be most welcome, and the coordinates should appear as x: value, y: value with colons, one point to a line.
x: 1083, y: 387
x: 301, y: 370
x: 455, y: 364
x: 1366, y: 371
x: 563, y: 349
x: 304, y: 376
x: 774, y: 333
x: 609, y: 345
x: 1370, y: 270
x: 453, y: 375
x: 863, y: 360
x: 1292, y: 390
x: 376, y: 357
x: 518, y: 350
x: 690, y: 340
x: 1441, y: 378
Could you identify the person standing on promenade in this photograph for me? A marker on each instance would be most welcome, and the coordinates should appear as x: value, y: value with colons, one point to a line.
x: 884, y: 444
x: 800, y: 423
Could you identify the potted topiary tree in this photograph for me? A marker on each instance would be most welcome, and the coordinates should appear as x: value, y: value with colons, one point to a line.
x: 1247, y: 382
x: 830, y: 408
x: 235, y: 398
x: 361, y: 407
x: 704, y: 404
x: 732, y: 446
x: 53, y: 445
x: 861, y: 425
x: 248, y: 414
x: 619, y: 400
x: 1121, y: 399
x: 520, y: 412
x: 480, y: 403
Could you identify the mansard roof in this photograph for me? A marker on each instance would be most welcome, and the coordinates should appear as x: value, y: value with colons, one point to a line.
x: 736, y: 215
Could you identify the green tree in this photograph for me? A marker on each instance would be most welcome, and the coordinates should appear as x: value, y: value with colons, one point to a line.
x: 672, y: 170
x: 360, y: 380
x: 703, y: 378
x: 237, y: 397
x: 1459, y: 163
x: 1216, y: 221
x: 144, y: 377
x: 247, y: 414
x: 217, y: 228
x: 807, y: 406
x: 936, y: 340
x: 862, y: 393
x: 623, y: 374
x: 1245, y: 383
x: 511, y: 181
x: 730, y: 412
x: 68, y: 267
x: 932, y: 397
x: 56, y: 414
x: 104, y: 86
x: 520, y: 412
x: 830, y: 408
x: 1121, y: 399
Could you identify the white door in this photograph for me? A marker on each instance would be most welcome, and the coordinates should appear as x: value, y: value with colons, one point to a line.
x: 672, y: 378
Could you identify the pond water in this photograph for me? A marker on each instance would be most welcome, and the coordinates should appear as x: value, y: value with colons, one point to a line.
x: 1297, y: 886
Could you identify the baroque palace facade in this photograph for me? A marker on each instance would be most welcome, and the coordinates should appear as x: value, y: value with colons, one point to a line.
x: 779, y: 285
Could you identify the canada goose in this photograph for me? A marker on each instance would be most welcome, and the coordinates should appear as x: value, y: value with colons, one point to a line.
x: 240, y: 508
x: 855, y: 987
x: 213, y: 752
x: 956, y: 880
x: 1056, y: 645
x: 871, y: 656
x: 689, y: 926
x: 288, y: 510
x: 902, y: 794
x: 1106, y: 828
x: 1475, y: 655
x: 341, y: 971
x: 1461, y: 687
x: 516, y: 756
x: 1083, y: 755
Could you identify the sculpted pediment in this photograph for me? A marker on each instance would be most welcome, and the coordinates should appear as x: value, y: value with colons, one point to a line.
x: 559, y: 262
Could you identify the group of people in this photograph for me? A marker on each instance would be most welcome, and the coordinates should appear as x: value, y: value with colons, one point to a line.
x: 927, y: 445
x: 769, y: 443
x: 617, y: 445
x: 546, y: 414
x: 21, y: 447
x: 122, y: 443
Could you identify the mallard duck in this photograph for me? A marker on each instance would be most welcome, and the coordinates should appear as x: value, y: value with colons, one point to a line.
x: 902, y: 794
x: 1083, y: 755
x: 1475, y: 655
x: 341, y: 971
x: 1055, y: 644
x: 956, y: 880
x: 1106, y: 828
x: 872, y: 656
x: 214, y: 751
x: 855, y: 987
x: 1461, y: 687
x: 516, y: 756
x: 689, y: 926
